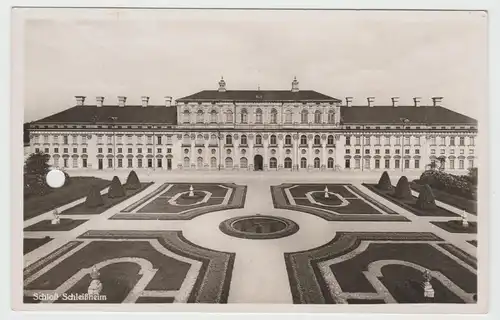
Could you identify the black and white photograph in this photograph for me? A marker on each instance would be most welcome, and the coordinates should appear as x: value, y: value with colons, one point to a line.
x: 175, y: 158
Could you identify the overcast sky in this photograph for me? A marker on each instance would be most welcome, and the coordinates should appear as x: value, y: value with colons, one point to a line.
x: 179, y: 52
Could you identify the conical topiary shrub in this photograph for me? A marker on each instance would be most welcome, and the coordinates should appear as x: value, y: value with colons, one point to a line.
x: 385, y: 182
x: 94, y: 197
x: 403, y: 189
x: 426, y: 200
x: 116, y: 189
x: 133, y: 182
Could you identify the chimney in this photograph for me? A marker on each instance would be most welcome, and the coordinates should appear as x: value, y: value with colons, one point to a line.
x: 295, y: 85
x: 168, y: 101
x: 436, y: 101
x: 99, y: 101
x: 145, y: 100
x: 417, y: 101
x: 371, y: 100
x: 121, y: 101
x: 80, y: 100
x: 395, y: 102
x: 348, y: 101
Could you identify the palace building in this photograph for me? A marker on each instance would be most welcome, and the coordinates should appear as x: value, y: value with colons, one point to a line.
x: 225, y: 129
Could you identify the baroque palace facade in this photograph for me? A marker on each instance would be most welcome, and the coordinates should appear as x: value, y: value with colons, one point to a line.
x: 256, y: 130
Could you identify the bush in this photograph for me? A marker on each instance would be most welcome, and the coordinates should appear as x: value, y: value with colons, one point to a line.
x: 403, y: 190
x: 36, y: 168
x: 458, y: 185
x: 385, y: 182
x: 35, y: 185
x: 133, y: 182
x: 94, y: 197
x: 116, y: 189
x: 426, y: 199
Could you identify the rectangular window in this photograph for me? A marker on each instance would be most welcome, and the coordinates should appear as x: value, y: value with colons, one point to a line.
x: 442, y: 151
x: 46, y: 150
x: 357, y: 163
x: 358, y: 151
x: 120, y: 163
x: 471, y: 163
x: 150, y: 163
x: 387, y: 163
x: 377, y: 151
x: 110, y: 139
x: 417, y: 164
x: 387, y: 141
x: 462, y: 151
x: 84, y: 163
x: 358, y: 141
x: 396, y: 163
x: 461, y: 164
x: 169, y: 139
x: 407, y: 163
x: 433, y: 141
x: 452, y: 164
x: 65, y: 150
x: 150, y: 139
x: 158, y: 150
x: 119, y: 139
x: 65, y: 139
x: 139, y: 150
x: 45, y: 138
x: 398, y: 140
x: 129, y: 139
x: 74, y: 139
x: 433, y: 151
x: 110, y: 150
x: 452, y: 141
x: 158, y: 163
x: 169, y: 150
x: 84, y: 139
x: 377, y: 140
x: 398, y: 151
x: 387, y: 151
x: 75, y: 163
x: 56, y: 150
x: 347, y: 151
x: 37, y: 150
x: 462, y: 141
x: 75, y: 150
x: 407, y: 151
x: 452, y: 151
x: 348, y: 141
x: 471, y: 151
x: 471, y: 141
x: 150, y: 150
x: 347, y: 163
x: 367, y: 163
x: 367, y: 151
x: 377, y: 164
x: 99, y: 139
x: 407, y: 141
x: 129, y: 150
x: 110, y: 163
x: 129, y: 163
x: 120, y: 150
x: 417, y: 141
x: 367, y: 140
x: 65, y: 163
x: 84, y: 150
x: 417, y: 151
x: 139, y: 163
x: 158, y: 140
x: 99, y: 150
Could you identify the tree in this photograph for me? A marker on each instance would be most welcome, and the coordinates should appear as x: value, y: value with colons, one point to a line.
x: 442, y: 160
x: 472, y: 176
x: 116, y: 189
x: 133, y: 182
x: 426, y: 199
x: 403, y: 190
x: 94, y: 197
x: 384, y: 182
x: 37, y: 164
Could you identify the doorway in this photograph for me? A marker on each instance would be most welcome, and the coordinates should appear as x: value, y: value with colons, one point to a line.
x: 169, y: 164
x: 258, y: 162
x: 100, y: 164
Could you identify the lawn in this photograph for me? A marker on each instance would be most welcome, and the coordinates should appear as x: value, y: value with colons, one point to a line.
x: 46, y: 225
x: 30, y: 244
x: 108, y: 202
x: 78, y: 188
x: 455, y: 226
x: 450, y: 199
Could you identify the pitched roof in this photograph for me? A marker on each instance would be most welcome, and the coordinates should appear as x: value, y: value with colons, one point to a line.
x: 127, y: 114
x: 393, y: 115
x: 258, y: 95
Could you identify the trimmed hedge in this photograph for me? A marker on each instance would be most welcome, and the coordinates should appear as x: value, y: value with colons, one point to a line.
x: 403, y: 190
x: 457, y: 185
x: 132, y: 181
x: 116, y: 189
x: 385, y: 182
x: 94, y: 198
x: 426, y: 200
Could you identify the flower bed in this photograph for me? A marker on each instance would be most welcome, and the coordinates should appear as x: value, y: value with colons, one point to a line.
x: 46, y: 225
x: 450, y: 199
x: 455, y: 226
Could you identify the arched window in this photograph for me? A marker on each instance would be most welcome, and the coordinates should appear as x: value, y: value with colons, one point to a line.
x: 330, y: 163
x: 303, y: 163
x: 199, y: 139
x: 288, y: 117
x: 229, y: 162
x: 199, y: 162
x: 229, y: 139
x: 317, y: 140
x: 243, y: 140
x: 258, y: 139
x: 186, y: 162
x: 317, y: 117
x: 213, y: 162
x: 199, y: 116
x: 303, y: 116
x: 213, y: 116
x: 258, y: 116
x: 244, y: 116
x: 273, y: 139
x: 288, y: 139
x: 186, y: 117
x: 303, y: 139
x: 243, y: 162
x: 186, y: 139
x: 213, y: 139
x: 330, y: 140
x: 229, y: 116
x: 274, y: 116
x: 316, y: 162
x: 273, y: 163
x: 288, y: 163
x: 331, y: 116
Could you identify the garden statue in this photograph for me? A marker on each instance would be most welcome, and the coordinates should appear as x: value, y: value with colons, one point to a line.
x: 95, y: 286
x: 191, y: 193
x: 428, y: 290
x: 465, y: 221
x: 326, y: 192
x: 56, y: 219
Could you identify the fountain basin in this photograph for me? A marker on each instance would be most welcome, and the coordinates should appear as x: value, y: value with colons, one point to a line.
x: 258, y: 227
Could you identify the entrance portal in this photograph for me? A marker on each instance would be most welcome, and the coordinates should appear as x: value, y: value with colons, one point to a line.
x: 258, y: 162
x: 99, y: 161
